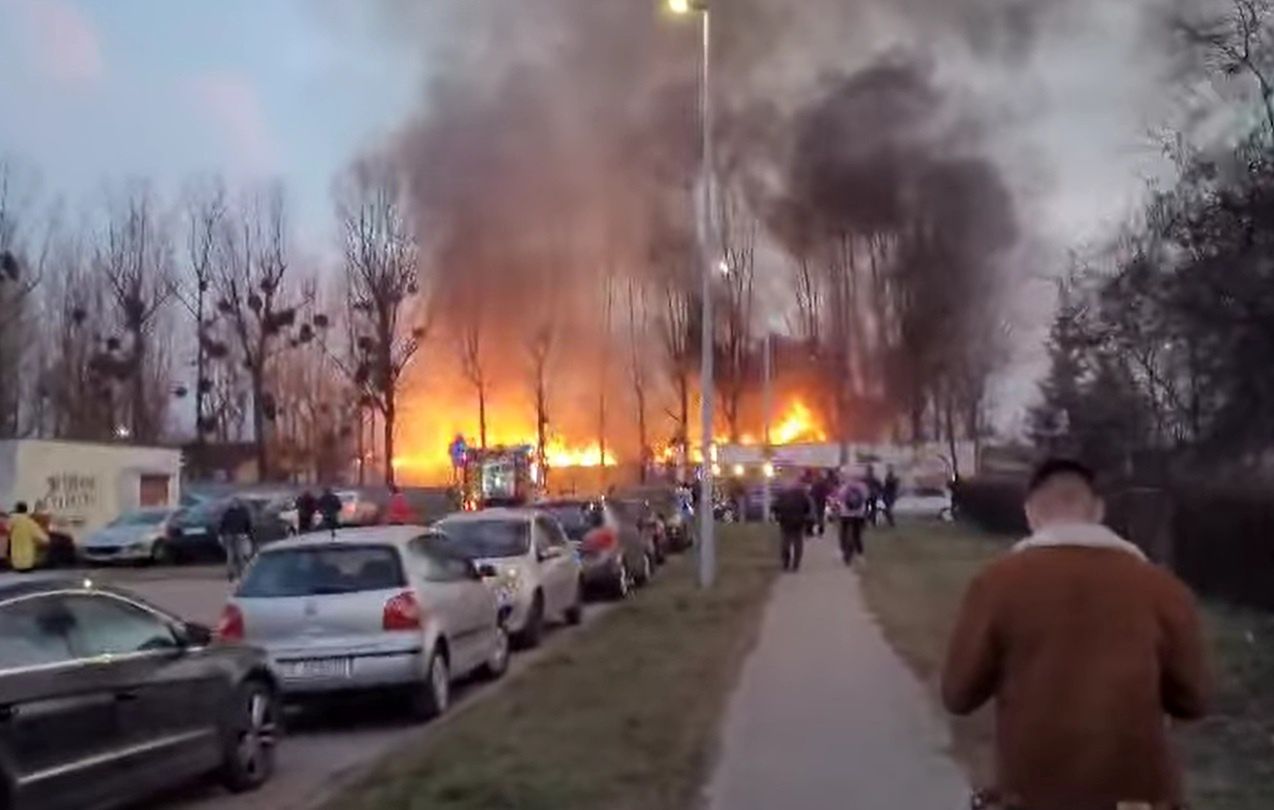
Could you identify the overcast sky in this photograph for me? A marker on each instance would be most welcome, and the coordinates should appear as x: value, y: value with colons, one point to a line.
x: 95, y: 91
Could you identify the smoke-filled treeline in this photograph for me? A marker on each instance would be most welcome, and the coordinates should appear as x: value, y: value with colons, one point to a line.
x: 522, y: 249
x: 1161, y: 348
x: 859, y: 207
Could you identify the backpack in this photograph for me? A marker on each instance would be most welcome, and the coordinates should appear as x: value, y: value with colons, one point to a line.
x: 853, y: 498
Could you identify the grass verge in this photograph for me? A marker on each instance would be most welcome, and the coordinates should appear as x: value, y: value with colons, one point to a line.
x: 915, y: 579
x: 623, y: 717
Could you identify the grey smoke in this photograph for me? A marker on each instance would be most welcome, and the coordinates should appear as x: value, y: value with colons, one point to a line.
x: 549, y: 131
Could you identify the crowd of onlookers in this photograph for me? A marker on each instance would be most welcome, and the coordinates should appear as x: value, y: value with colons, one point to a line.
x: 808, y: 502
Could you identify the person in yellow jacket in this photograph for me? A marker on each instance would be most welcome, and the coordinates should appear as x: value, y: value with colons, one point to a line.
x: 25, y: 538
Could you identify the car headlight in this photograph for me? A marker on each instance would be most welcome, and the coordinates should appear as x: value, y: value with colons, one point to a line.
x: 509, y: 582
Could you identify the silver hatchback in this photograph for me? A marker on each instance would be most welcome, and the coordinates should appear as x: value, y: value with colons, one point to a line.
x: 376, y: 608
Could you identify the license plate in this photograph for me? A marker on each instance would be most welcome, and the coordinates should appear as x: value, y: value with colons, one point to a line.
x: 317, y: 668
x: 194, y: 532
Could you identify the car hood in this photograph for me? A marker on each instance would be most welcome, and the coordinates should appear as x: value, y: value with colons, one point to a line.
x: 122, y: 535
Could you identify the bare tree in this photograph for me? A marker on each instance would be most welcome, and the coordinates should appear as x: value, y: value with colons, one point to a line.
x: 539, y: 350
x: 20, y: 274
x: 608, y: 320
x: 135, y: 258
x: 1239, y: 42
x: 254, y: 307
x: 382, y: 274
x: 638, y: 333
x: 472, y: 357
x: 205, y: 217
x: 736, y: 230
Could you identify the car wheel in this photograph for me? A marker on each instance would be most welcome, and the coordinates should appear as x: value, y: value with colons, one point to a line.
x: 498, y: 661
x: 575, y: 613
x: 431, y: 698
x: 646, y: 573
x: 530, y: 635
x: 623, y: 584
x: 161, y: 553
x: 248, y: 760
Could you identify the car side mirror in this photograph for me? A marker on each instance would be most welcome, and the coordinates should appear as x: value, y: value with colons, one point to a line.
x: 192, y: 634
x: 486, y: 570
x: 550, y: 553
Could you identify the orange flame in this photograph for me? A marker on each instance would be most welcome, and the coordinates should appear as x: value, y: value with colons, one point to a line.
x: 797, y: 425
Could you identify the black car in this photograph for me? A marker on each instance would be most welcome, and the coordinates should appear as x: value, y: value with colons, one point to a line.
x: 106, y: 700
x: 193, y: 532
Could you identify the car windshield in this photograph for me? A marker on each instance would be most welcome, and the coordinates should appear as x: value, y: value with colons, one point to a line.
x: 576, y: 519
x: 478, y: 539
x: 140, y: 519
x: 323, y: 570
x: 203, y: 512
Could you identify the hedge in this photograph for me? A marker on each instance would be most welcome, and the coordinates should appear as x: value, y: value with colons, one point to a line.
x: 1220, y: 542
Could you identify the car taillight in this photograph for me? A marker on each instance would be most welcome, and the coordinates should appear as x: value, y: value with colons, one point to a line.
x: 230, y: 625
x: 402, y: 612
x: 600, y: 540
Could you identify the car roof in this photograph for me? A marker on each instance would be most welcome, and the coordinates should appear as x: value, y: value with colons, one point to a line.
x: 496, y: 513
x: 14, y: 586
x: 383, y: 535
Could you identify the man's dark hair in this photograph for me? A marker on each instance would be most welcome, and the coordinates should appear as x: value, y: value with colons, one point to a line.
x: 20, y: 508
x: 1053, y: 467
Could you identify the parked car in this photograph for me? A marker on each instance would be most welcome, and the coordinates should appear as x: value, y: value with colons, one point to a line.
x: 384, y: 608
x: 924, y: 502
x: 107, y: 700
x: 616, y: 552
x: 675, y: 528
x: 527, y: 559
x: 193, y: 532
x: 139, y: 536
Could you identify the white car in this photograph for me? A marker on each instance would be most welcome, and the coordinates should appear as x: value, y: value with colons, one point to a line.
x: 137, y: 536
x: 924, y: 502
x: 384, y: 608
x: 527, y: 559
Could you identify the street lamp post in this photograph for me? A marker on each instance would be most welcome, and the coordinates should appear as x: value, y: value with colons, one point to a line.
x: 707, y: 391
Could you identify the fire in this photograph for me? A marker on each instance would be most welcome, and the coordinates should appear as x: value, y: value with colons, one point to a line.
x: 560, y: 455
x: 798, y: 424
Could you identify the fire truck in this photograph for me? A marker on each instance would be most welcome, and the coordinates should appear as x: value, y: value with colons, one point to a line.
x: 497, y: 476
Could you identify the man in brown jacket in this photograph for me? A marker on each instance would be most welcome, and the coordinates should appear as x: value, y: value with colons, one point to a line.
x: 1086, y: 648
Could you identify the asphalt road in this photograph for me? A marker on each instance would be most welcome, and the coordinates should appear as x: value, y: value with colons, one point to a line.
x: 323, y: 749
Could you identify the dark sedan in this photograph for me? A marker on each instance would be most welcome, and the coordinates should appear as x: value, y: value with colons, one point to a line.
x: 193, y: 532
x: 616, y: 551
x: 106, y: 700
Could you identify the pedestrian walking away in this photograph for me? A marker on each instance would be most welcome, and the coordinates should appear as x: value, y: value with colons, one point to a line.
x: 235, y: 534
x: 820, y: 491
x: 1087, y: 649
x: 875, y: 489
x: 306, y: 509
x: 26, y: 539
x: 889, y: 494
x: 851, y: 511
x: 793, y: 510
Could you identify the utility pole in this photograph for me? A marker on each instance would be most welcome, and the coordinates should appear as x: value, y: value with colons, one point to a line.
x: 767, y: 406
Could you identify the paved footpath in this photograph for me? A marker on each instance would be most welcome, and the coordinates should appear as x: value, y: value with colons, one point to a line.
x: 826, y: 717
